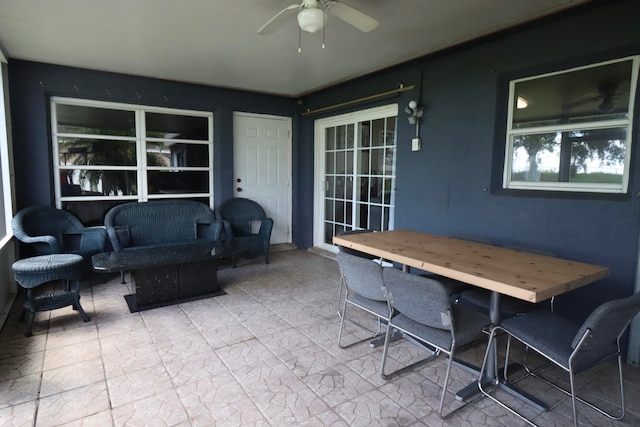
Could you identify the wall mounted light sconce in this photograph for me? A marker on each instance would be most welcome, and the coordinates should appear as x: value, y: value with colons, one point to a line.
x: 415, y: 112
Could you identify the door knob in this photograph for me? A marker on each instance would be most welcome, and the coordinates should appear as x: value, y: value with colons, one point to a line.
x: 239, y: 189
x: 238, y: 180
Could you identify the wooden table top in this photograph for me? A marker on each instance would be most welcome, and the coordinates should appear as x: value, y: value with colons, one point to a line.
x: 524, y: 275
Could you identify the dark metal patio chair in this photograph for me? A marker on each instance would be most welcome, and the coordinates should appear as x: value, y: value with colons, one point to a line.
x: 570, y: 346
x: 425, y: 314
x: 364, y: 290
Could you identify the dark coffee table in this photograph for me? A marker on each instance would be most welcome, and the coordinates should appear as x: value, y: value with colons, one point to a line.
x: 169, y: 274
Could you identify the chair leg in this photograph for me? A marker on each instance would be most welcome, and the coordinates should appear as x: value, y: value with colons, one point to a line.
x: 77, y: 305
x: 343, y: 319
x: 445, y: 387
x: 342, y: 285
x: 122, y: 280
x: 385, y: 352
x: 32, y: 314
x: 494, y: 383
x: 575, y: 397
x: 27, y: 331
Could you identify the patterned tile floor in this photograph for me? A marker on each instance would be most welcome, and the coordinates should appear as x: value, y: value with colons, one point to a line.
x: 265, y: 354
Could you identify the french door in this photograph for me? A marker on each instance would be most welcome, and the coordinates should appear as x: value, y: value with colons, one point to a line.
x: 355, y: 173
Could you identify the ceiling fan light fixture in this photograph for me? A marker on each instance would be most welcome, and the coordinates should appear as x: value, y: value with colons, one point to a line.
x: 311, y: 20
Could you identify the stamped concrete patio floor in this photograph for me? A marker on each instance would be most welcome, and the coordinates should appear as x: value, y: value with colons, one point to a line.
x: 265, y: 354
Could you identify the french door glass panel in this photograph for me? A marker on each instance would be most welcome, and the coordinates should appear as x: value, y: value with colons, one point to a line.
x: 359, y: 176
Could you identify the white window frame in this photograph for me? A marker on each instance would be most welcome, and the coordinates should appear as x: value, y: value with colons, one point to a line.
x: 570, y: 186
x: 141, y: 139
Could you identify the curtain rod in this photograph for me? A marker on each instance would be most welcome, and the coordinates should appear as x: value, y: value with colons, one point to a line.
x: 402, y: 88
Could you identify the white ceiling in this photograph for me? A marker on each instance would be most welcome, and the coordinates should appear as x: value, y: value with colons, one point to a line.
x: 214, y: 42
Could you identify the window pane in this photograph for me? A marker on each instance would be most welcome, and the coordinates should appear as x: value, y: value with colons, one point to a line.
x: 584, y: 95
x: 363, y: 162
x: 177, y: 154
x: 390, y: 131
x: 340, y: 162
x: 329, y: 138
x: 597, y: 155
x: 349, y: 188
x: 350, y: 136
x: 165, y: 182
x: 365, y: 134
x: 594, y: 156
x: 330, y: 166
x: 341, y: 137
x: 175, y: 126
x: 363, y: 215
x: 377, y: 161
x: 349, y: 213
x: 389, y: 161
x: 350, y: 162
x: 331, y: 186
x: 378, y: 135
x: 81, y: 151
x: 95, y: 121
x: 329, y: 209
x: 82, y: 182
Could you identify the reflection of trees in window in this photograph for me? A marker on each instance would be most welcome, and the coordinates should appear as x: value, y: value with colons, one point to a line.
x: 596, y: 154
x: 603, y: 145
x: 534, y: 145
x: 99, y: 152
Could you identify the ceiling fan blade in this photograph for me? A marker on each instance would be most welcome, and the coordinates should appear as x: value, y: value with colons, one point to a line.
x: 351, y: 16
x: 276, y: 22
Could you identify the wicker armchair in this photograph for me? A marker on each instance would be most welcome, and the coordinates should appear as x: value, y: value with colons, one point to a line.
x: 245, y: 220
x: 49, y: 230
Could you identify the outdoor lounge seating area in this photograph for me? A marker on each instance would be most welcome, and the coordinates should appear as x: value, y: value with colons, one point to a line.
x: 264, y: 354
x: 433, y: 221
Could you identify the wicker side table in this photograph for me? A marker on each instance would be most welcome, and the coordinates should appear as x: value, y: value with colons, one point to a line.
x: 33, y: 272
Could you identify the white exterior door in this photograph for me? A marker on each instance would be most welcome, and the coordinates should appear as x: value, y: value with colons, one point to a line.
x: 262, y: 167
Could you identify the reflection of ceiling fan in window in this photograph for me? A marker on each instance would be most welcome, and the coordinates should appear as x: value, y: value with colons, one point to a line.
x: 605, y: 98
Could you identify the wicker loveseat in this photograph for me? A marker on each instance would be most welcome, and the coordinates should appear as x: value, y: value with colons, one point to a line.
x: 161, y: 222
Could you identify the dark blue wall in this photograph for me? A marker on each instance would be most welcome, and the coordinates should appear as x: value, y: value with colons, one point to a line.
x: 32, y: 84
x: 453, y: 185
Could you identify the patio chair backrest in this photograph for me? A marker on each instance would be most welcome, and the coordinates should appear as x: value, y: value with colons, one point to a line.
x: 606, y: 324
x: 432, y: 308
x: 362, y: 275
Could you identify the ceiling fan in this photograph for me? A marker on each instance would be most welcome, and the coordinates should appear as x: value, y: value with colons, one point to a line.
x: 312, y: 16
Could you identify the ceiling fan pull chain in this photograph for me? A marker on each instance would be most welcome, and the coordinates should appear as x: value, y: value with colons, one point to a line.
x: 299, y: 40
x: 324, y: 28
